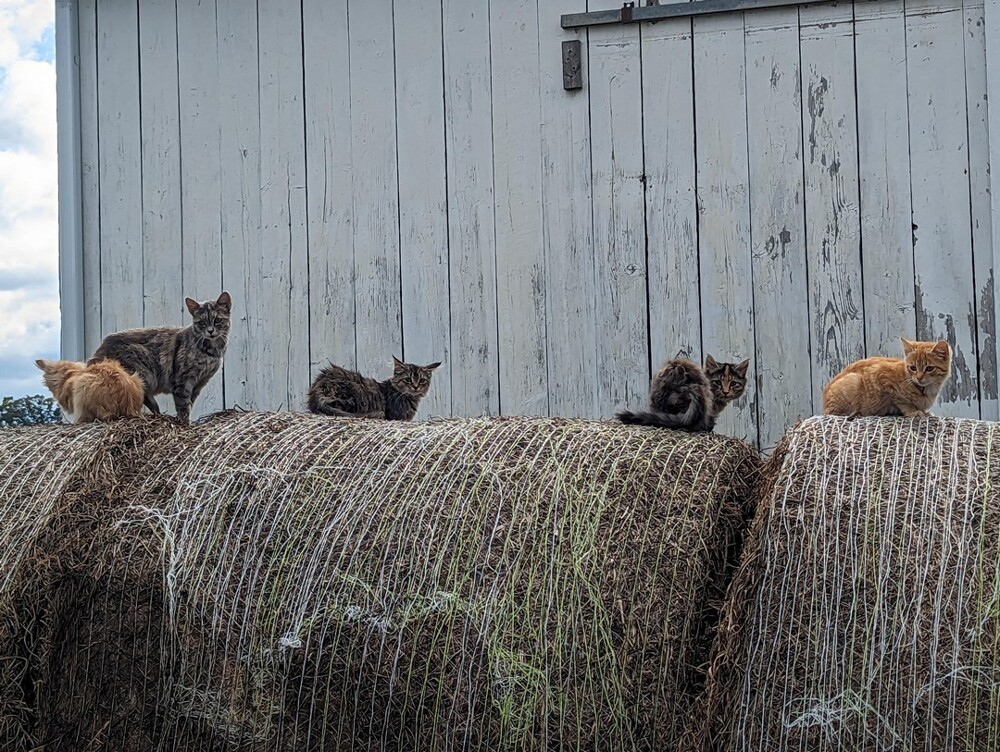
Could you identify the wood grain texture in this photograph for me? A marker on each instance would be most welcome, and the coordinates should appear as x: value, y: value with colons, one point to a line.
x: 991, y: 32
x: 280, y: 302
x: 423, y: 196
x: 200, y: 95
x: 833, y: 232
x: 977, y: 106
x: 567, y: 224
x: 939, y: 163
x: 120, y: 165
x: 671, y: 198
x: 412, y: 179
x: 521, y: 281
x: 724, y: 207
x: 780, y: 280
x: 884, y: 172
x: 90, y: 175
x: 161, y: 164
x: 615, y: 88
x: 329, y: 183
x: 376, y: 190
x: 240, y: 185
x: 472, y: 258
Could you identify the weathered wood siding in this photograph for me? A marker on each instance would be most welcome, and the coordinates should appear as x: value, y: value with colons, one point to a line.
x: 800, y: 186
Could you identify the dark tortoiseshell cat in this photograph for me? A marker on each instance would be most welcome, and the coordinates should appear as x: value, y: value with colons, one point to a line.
x: 172, y: 359
x: 337, y: 391
x: 682, y: 395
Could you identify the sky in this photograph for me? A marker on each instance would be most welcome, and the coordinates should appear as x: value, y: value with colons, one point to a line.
x: 29, y: 282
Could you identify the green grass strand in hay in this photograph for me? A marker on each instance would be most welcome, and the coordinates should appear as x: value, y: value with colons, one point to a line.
x: 486, y: 584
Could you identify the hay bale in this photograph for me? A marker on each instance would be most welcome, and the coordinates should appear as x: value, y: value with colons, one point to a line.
x: 36, y: 465
x: 866, y: 611
x: 97, y: 604
x: 290, y: 582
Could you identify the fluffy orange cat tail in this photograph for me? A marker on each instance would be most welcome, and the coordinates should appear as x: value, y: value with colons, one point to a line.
x: 57, y: 377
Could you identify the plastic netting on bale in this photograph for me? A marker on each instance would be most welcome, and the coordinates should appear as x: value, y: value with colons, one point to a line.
x: 36, y: 464
x: 290, y: 582
x: 866, y: 611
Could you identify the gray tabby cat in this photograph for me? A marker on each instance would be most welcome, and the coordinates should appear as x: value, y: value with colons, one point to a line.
x: 172, y: 359
x: 337, y: 391
x: 687, y: 397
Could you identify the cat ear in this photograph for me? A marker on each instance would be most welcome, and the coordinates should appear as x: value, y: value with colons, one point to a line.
x: 432, y: 366
x: 942, y: 349
x: 225, y: 301
x: 41, y: 364
x: 397, y: 365
x: 710, y: 364
x: 192, y: 305
x: 741, y: 369
x: 907, y: 345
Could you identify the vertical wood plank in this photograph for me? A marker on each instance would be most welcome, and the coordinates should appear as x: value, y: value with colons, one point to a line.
x: 90, y: 175
x: 161, y: 164
x: 567, y: 223
x: 979, y: 183
x: 376, y: 190
x: 884, y: 172
x: 119, y: 159
x: 521, y: 283
x: 615, y: 88
x: 198, y: 80
x: 240, y: 186
x: 939, y: 162
x: 472, y: 261
x: 328, y: 184
x: 831, y: 184
x: 279, y: 327
x: 423, y: 195
x: 724, y: 206
x: 991, y: 27
x: 671, y: 199
x: 780, y: 281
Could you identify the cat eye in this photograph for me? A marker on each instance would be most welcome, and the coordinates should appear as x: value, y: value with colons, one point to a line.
x: 930, y: 369
x: 913, y: 369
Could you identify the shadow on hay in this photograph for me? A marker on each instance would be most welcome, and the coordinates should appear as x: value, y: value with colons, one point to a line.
x: 281, y: 582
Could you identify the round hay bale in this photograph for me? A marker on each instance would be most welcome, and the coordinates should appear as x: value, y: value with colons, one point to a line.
x: 36, y: 465
x: 865, y: 614
x: 291, y: 582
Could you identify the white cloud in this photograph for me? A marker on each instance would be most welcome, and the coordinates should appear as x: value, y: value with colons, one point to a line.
x: 29, y: 301
x: 22, y: 23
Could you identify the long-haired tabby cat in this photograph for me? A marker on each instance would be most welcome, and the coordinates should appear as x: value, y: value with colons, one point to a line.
x: 905, y: 386
x: 685, y: 396
x: 337, y: 391
x: 173, y: 359
x: 99, y: 391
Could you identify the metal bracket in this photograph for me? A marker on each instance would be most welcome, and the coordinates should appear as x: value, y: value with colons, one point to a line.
x: 629, y: 13
x: 572, y: 71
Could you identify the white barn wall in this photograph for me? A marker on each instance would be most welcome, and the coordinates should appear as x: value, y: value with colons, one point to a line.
x: 383, y: 179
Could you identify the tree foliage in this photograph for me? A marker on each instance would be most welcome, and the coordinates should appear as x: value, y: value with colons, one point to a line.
x: 28, y: 411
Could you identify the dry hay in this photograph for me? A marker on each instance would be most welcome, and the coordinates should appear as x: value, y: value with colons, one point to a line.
x: 866, y: 611
x: 36, y: 464
x: 291, y: 582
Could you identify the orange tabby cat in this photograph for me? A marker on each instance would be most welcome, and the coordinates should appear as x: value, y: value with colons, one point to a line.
x: 100, y: 391
x: 891, y: 386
